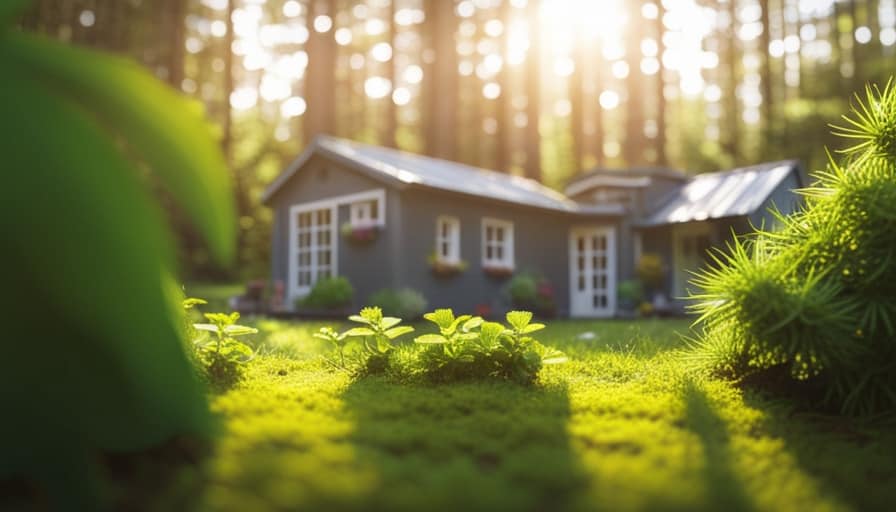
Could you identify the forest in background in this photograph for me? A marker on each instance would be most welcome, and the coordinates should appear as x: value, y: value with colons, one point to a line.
x: 697, y: 85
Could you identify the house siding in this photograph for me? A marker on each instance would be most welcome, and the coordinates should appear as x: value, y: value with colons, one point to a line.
x: 541, y: 241
x: 369, y: 266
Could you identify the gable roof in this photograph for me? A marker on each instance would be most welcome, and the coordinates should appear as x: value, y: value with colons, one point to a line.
x: 716, y: 195
x: 635, y: 177
x: 403, y: 169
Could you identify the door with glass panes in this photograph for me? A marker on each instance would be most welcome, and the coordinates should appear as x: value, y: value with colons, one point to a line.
x: 313, y: 239
x: 592, y: 265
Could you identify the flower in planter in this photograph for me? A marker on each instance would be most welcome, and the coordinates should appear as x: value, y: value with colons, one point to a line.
x: 546, y: 289
x: 498, y: 272
x: 359, y: 234
x: 484, y: 310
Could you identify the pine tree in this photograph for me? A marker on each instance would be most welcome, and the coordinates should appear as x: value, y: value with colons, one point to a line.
x: 816, y: 299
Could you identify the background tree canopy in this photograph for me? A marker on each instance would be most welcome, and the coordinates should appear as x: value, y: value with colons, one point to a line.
x: 548, y: 87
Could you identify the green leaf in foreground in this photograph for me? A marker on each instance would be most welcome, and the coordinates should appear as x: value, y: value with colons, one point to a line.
x: 162, y: 127
x: 87, y: 271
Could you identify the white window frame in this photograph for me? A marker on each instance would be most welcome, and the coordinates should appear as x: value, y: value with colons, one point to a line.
x: 508, y: 260
x: 293, y: 290
x: 452, y: 239
x: 361, y: 213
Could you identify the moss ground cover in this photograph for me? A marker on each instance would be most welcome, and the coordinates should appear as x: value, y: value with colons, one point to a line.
x: 621, y: 426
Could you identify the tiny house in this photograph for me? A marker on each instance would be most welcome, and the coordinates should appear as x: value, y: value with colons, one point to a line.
x: 384, y: 218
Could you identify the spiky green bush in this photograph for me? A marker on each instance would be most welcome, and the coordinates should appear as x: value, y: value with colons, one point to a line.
x: 816, y: 298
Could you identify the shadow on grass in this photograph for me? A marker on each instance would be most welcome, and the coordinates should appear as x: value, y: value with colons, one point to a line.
x: 725, y: 491
x: 467, y: 446
x: 852, y: 460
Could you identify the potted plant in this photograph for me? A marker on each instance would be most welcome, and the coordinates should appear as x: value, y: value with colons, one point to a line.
x: 651, y: 272
x: 630, y: 293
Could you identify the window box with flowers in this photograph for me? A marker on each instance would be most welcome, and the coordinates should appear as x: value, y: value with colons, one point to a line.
x: 497, y: 271
x: 360, y: 234
x: 446, y: 268
x: 364, y: 224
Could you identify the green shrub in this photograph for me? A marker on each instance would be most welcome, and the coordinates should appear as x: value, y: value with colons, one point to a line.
x: 329, y: 293
x: 531, y: 292
x: 523, y: 289
x: 467, y: 347
x: 816, y: 300
x: 403, y: 303
x: 630, y: 293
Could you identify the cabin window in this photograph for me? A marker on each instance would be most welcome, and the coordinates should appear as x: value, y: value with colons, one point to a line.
x: 364, y: 213
x: 497, y: 243
x: 448, y: 239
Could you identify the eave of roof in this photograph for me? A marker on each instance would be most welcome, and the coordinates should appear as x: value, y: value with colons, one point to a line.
x: 430, y: 173
x: 634, y: 172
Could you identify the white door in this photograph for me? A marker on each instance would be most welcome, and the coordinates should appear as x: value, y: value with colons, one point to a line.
x: 312, y: 248
x: 592, y: 271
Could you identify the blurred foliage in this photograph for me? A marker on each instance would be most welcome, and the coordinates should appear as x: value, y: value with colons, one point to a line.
x: 94, y: 358
x: 403, y: 303
x: 651, y: 271
x: 328, y: 293
x: 630, y: 293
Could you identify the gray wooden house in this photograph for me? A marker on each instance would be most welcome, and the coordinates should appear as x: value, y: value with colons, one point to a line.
x: 389, y: 219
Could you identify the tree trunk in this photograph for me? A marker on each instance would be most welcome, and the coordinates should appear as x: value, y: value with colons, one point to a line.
x: 661, y: 157
x: 766, y: 80
x: 227, y: 125
x: 598, y: 119
x: 731, y: 128
x: 319, y: 76
x: 577, y: 102
x: 634, y: 119
x: 175, y: 22
x: 390, y: 125
x: 532, y: 168
x: 441, y: 80
x: 502, y: 133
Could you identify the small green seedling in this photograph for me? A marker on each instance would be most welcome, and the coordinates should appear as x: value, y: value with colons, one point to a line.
x: 376, y: 335
x: 223, y: 345
x: 379, y: 330
x: 338, y: 340
x: 518, y: 337
x: 453, y: 334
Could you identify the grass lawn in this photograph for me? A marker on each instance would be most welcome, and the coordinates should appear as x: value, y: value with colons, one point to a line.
x: 619, y: 427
